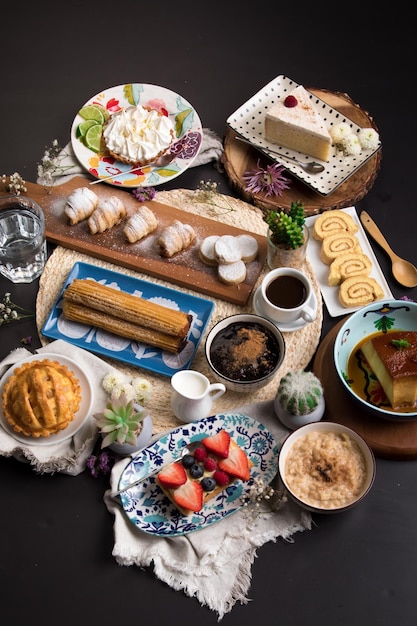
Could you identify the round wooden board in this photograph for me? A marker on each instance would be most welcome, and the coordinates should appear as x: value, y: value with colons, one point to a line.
x: 238, y: 158
x: 391, y: 440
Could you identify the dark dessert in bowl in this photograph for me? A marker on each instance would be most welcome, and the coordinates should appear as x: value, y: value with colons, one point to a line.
x: 244, y: 351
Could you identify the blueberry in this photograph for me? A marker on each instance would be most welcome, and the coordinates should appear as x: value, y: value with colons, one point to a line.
x: 188, y: 460
x: 208, y: 483
x: 196, y: 470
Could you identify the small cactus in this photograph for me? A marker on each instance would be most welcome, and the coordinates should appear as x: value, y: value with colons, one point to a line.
x: 300, y: 392
x: 287, y: 228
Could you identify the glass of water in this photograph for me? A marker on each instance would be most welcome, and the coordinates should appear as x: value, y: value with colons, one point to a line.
x: 22, y: 239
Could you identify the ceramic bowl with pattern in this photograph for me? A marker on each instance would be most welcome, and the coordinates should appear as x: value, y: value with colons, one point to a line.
x: 355, y: 374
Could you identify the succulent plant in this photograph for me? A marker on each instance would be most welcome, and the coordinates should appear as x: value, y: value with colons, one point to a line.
x: 120, y: 422
x: 287, y: 229
x: 299, y: 392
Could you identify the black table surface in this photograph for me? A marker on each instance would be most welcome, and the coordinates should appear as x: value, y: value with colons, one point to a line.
x: 56, y: 535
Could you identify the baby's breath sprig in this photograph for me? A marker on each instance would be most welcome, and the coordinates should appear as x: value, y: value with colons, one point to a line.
x: 16, y: 184
x: 263, y: 497
x: 208, y: 193
x: 51, y: 165
x: 11, y: 312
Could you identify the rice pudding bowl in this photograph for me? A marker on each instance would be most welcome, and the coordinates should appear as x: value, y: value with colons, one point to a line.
x: 326, y: 466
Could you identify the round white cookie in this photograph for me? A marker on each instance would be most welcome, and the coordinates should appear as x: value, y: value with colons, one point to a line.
x: 232, y: 273
x: 207, y: 252
x: 249, y: 247
x: 227, y: 249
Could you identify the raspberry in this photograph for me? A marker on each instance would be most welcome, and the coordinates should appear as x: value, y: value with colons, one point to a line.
x: 290, y: 102
x: 221, y: 478
x: 209, y: 464
x: 200, y: 454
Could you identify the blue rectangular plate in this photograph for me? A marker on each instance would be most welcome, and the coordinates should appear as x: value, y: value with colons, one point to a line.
x: 110, y: 345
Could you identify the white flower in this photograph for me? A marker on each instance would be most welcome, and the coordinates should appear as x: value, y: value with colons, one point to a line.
x: 142, y: 389
x: 351, y: 145
x: 111, y: 380
x: 125, y: 389
x: 340, y: 132
x: 368, y: 138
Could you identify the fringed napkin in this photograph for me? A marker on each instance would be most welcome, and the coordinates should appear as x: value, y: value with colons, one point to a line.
x: 212, y: 564
x: 69, y: 456
x: 211, y: 150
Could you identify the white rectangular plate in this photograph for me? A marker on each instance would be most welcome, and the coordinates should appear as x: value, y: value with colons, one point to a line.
x: 248, y: 121
x: 321, y: 270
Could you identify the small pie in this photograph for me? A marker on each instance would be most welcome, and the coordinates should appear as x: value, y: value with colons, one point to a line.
x: 41, y: 398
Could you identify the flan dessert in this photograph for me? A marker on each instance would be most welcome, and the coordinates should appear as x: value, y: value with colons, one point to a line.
x: 294, y: 122
x: 41, y: 398
x: 392, y: 357
x: 138, y: 135
x: 202, y: 474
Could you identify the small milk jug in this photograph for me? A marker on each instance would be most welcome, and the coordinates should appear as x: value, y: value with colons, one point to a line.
x: 193, y: 395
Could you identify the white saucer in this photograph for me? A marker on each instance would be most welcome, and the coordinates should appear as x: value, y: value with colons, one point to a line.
x: 288, y: 327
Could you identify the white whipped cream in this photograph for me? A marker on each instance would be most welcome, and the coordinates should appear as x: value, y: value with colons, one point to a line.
x: 137, y: 134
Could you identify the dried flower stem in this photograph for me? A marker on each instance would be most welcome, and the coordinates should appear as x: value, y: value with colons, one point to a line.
x: 208, y: 193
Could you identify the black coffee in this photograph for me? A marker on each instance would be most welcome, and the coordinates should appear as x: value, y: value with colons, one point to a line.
x: 286, y: 292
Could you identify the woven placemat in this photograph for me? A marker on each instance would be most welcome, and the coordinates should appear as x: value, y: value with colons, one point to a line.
x: 300, y: 344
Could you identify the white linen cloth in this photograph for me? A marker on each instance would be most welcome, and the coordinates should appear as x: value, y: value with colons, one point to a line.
x: 211, y: 150
x: 69, y: 456
x: 212, y: 564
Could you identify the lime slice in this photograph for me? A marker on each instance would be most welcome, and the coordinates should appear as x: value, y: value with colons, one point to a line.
x: 84, y: 126
x: 92, y: 112
x: 93, y: 137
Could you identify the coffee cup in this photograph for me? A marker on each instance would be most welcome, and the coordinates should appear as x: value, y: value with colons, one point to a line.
x: 22, y: 239
x: 286, y: 296
x: 193, y: 395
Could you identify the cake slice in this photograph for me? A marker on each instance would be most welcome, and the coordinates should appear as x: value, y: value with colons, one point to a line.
x: 195, y: 479
x: 392, y: 357
x: 295, y: 123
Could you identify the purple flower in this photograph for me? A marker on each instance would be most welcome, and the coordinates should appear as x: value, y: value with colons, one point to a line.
x: 270, y: 180
x: 144, y: 193
x: 100, y: 464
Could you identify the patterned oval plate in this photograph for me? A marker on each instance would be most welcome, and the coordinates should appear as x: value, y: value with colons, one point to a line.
x: 187, y: 126
x: 153, y: 513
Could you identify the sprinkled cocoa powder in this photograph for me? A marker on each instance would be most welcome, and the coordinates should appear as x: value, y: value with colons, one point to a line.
x: 244, y: 351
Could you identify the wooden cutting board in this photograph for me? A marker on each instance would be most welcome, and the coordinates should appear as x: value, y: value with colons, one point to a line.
x: 238, y: 158
x: 184, y: 269
x: 391, y: 440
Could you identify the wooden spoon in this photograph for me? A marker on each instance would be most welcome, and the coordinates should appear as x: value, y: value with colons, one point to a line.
x: 403, y: 271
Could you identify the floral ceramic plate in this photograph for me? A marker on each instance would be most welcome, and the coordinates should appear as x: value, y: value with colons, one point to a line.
x: 153, y: 513
x: 186, y: 146
x: 248, y: 121
x: 87, y: 399
x: 115, y: 347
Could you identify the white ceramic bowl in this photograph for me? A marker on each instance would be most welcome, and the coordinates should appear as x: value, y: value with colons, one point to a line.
x: 323, y: 480
x: 381, y: 317
x: 246, y: 383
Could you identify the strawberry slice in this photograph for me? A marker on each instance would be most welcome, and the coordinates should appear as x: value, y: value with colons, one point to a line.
x: 172, y: 476
x: 189, y: 496
x: 219, y: 444
x: 236, y: 464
